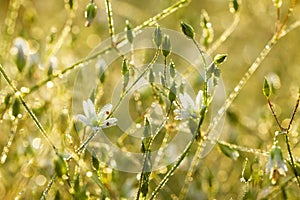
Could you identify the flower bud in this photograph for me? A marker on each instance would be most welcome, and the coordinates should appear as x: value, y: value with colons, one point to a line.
x: 157, y: 37
x: 172, y: 69
x: 234, y: 6
x: 129, y: 32
x: 277, y: 3
x: 172, y: 92
x: 187, y: 30
x: 267, y: 90
x: 151, y: 76
x: 16, y: 107
x: 166, y: 46
x: 90, y: 13
x: 220, y: 59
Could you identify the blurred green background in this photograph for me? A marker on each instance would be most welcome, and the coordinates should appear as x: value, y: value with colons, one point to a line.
x: 29, y: 164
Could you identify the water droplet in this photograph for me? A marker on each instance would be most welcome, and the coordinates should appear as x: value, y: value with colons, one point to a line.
x: 50, y: 84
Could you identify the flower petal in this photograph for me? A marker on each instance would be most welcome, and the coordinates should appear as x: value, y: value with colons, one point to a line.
x: 109, y: 122
x: 199, y: 99
x: 104, y: 112
x: 181, y: 114
x: 91, y: 110
x: 83, y: 119
x: 186, y: 101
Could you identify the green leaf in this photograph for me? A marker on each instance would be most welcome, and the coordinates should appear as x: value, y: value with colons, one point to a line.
x: 57, y: 195
x: 172, y: 92
x: 7, y: 99
x: 188, y: 30
x: 16, y: 107
x: 267, y: 90
x: 228, y: 151
x: 95, y: 161
x: 247, y: 171
x: 60, y: 166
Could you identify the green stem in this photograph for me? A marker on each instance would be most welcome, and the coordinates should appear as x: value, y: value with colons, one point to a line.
x: 178, y: 161
x: 153, y: 20
x: 288, y: 142
x: 150, y: 22
x: 80, y: 63
x: 238, y: 88
x: 135, y: 82
x: 148, y: 150
x: 47, y: 189
x: 11, y: 137
x: 110, y: 21
x: 225, y: 34
x: 205, y: 75
x: 17, y: 93
x: 291, y: 157
x: 10, y: 23
x: 174, y: 167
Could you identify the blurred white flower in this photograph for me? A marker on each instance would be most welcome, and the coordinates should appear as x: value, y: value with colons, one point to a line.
x: 94, y: 120
x: 276, y: 165
x: 189, y: 107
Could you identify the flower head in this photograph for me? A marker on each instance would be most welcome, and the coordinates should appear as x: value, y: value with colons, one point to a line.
x: 189, y: 107
x: 276, y: 165
x: 94, y: 120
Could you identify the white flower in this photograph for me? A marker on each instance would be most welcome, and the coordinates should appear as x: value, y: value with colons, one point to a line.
x: 94, y: 120
x: 189, y: 107
x: 276, y: 165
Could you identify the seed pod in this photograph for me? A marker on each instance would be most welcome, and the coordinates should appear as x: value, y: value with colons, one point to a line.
x: 188, y: 30
x: 157, y: 36
x: 90, y: 13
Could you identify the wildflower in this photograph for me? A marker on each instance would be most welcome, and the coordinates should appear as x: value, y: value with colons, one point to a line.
x: 189, y: 107
x: 276, y: 165
x: 94, y: 120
